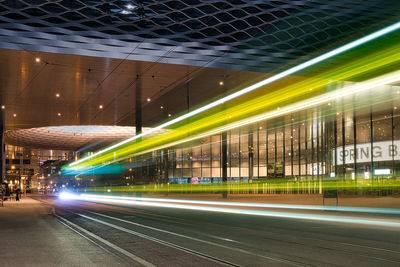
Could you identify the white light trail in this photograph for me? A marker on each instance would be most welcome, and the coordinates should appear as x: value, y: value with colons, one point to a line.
x: 250, y: 88
x: 254, y: 205
x: 285, y: 215
x: 325, y: 98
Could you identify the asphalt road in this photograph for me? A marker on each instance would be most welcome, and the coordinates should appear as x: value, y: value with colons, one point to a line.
x: 140, y: 235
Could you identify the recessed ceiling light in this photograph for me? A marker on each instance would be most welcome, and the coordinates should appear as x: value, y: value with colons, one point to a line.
x: 130, y: 6
x: 148, y: 99
x: 37, y: 60
x: 161, y: 107
x: 57, y: 95
x: 58, y: 114
x: 3, y: 107
x: 221, y: 83
x: 100, y: 106
x: 15, y: 115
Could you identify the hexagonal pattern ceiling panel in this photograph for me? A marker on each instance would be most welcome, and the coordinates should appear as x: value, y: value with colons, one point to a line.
x: 249, y: 35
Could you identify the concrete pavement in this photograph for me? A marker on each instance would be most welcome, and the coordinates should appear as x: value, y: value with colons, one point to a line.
x: 31, y: 236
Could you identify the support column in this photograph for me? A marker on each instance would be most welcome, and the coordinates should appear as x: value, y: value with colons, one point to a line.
x: 138, y: 125
x: 138, y: 105
x: 165, y: 166
x: 2, y: 153
x: 371, y: 122
x: 355, y: 143
x: 224, y: 156
x: 251, y: 156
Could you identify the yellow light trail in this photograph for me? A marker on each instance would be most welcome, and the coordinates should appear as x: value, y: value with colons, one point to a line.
x: 243, y: 113
x: 353, y: 89
x: 265, y: 106
x: 269, y: 80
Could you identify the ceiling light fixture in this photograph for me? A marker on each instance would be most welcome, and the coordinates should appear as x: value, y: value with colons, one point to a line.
x: 15, y: 115
x: 253, y: 87
x: 100, y: 106
x: 130, y: 6
x: 57, y: 95
x: 148, y: 99
x: 3, y: 107
x: 37, y: 60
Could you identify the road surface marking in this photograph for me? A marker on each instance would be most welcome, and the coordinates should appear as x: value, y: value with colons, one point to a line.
x: 120, y: 250
x: 180, y: 235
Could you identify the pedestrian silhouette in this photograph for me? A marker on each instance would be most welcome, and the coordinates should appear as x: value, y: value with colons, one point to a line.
x: 17, y: 194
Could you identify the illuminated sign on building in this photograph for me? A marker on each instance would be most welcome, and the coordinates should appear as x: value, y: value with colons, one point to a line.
x: 382, y: 171
x: 381, y: 151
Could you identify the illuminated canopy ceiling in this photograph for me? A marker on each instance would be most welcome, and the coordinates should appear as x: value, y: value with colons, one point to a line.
x: 91, y: 53
x: 68, y: 137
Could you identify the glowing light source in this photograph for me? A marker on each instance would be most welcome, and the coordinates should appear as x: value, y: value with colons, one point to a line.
x: 253, y: 87
x: 130, y: 6
x: 3, y: 107
x: 148, y: 99
x: 67, y: 196
x: 221, y: 83
x: 37, y: 60
x: 57, y: 95
x: 253, y: 205
x: 100, y: 106
x: 15, y: 115
x: 382, y: 171
x: 287, y: 215
x: 59, y: 114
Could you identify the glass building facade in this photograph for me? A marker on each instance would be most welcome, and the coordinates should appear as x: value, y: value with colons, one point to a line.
x: 349, y: 139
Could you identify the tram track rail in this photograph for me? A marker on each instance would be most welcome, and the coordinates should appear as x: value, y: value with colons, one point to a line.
x: 109, y: 247
x: 117, y: 223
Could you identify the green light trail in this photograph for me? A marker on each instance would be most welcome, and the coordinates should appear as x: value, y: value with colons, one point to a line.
x: 267, y: 99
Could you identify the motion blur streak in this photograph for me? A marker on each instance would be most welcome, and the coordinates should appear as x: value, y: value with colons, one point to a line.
x: 262, y: 185
x: 169, y: 140
x: 325, y: 98
x: 286, y: 215
x: 256, y: 205
x: 321, y: 58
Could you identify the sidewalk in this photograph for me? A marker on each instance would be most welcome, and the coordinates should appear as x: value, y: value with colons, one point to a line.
x: 31, y: 236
